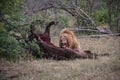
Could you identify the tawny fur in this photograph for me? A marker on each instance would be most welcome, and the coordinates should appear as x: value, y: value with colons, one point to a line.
x: 71, y: 39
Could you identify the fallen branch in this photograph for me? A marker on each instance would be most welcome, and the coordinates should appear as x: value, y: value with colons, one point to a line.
x: 98, y: 36
x: 90, y: 30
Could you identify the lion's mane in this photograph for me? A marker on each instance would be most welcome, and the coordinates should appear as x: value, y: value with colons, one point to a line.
x: 72, y: 40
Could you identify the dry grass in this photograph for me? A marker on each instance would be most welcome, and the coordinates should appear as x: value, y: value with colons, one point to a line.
x: 103, y: 68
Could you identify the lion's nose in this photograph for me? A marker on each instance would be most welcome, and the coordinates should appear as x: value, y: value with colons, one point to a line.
x: 63, y: 41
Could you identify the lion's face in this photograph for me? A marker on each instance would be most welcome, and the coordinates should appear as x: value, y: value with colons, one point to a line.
x: 65, y: 40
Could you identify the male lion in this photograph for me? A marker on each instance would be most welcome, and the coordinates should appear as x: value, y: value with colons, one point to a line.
x: 68, y: 40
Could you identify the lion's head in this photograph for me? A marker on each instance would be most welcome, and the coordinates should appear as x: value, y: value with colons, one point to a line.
x: 68, y: 39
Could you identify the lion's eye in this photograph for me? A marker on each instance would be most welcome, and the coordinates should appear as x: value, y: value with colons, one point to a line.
x: 65, y: 36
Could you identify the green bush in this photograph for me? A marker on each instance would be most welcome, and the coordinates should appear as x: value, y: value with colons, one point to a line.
x: 35, y: 49
x: 100, y: 16
x: 9, y: 46
x: 63, y: 20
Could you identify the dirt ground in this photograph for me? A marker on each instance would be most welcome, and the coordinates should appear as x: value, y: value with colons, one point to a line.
x: 103, y: 68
